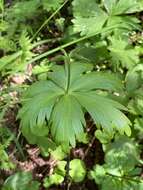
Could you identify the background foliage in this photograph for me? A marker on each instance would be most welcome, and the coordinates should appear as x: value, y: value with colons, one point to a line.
x: 71, y: 94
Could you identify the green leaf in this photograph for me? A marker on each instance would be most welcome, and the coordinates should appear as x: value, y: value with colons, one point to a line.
x: 40, y: 104
x: 103, y: 136
x: 6, y: 44
x: 135, y: 105
x: 44, y: 67
x: 118, y: 7
x: 119, y: 171
x: 123, y: 24
x: 6, y: 140
x: 61, y: 76
x: 83, y: 138
x: 45, y: 144
x: 108, y: 181
x: 122, y: 53
x: 88, y: 20
x: 94, y: 17
x: 18, y: 10
x: 77, y: 170
x: 100, y: 109
x: 69, y: 122
x: 61, y: 168
x: 134, y: 78
x: 97, y: 80
x: 97, y: 174
x: 53, y: 179
x: 118, y: 11
x: 138, y: 125
x: 118, y: 153
x: 58, y: 175
x: 26, y: 46
x: 62, y: 100
x: 17, y: 62
x: 51, y: 4
x: 20, y: 181
x: 90, y: 54
x: 58, y: 153
x: 6, y: 60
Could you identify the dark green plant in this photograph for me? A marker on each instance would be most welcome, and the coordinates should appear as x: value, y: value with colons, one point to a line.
x: 21, y: 181
x: 59, y: 103
x: 118, y: 172
x: 97, y: 80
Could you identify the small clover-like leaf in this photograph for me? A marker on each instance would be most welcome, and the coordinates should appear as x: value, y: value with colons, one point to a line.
x: 77, y: 170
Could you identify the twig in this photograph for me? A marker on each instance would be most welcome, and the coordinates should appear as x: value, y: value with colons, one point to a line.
x: 88, y: 148
x: 67, y: 177
x: 46, y: 21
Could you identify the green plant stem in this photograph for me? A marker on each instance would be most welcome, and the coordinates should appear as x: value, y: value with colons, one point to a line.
x: 44, y: 42
x: 89, y: 147
x: 67, y: 176
x: 67, y: 66
x: 60, y: 48
x: 56, y: 49
x: 125, y: 178
x: 46, y: 21
x: 20, y: 149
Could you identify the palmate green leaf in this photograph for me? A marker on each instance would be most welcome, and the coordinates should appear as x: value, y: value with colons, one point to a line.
x: 88, y: 16
x: 123, y: 24
x: 97, y: 80
x: 118, y: 7
x: 61, y: 101
x: 123, y: 53
x: 67, y: 119
x: 118, y: 11
x: 60, y: 78
x: 91, y: 16
x: 42, y: 97
x: 104, y: 112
